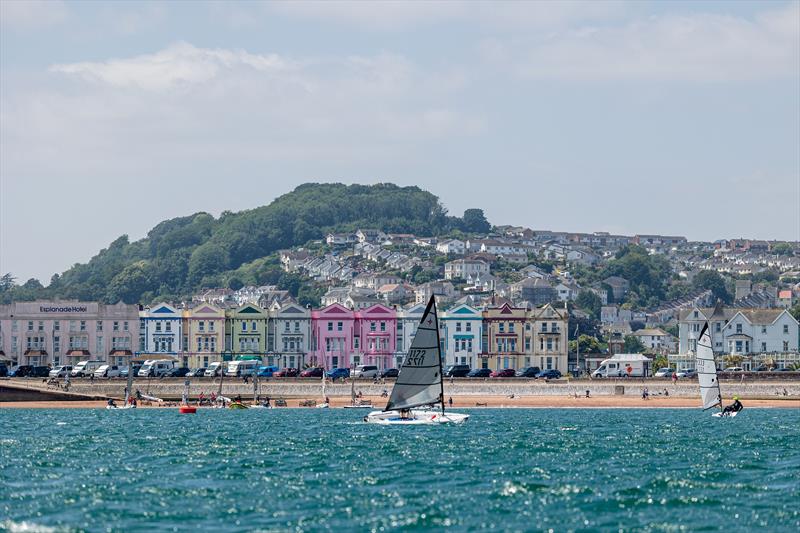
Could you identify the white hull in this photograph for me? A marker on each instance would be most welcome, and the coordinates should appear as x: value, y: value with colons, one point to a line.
x: 725, y: 415
x: 415, y: 418
x: 359, y: 407
x: 322, y: 406
x: 114, y: 408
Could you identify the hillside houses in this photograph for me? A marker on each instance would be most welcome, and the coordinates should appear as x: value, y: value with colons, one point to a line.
x: 464, y: 268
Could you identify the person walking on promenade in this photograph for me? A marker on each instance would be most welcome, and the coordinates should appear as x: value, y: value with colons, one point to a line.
x: 674, y: 378
x: 450, y: 401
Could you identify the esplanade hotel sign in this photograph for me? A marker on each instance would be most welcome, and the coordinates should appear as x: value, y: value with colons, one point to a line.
x: 66, y: 309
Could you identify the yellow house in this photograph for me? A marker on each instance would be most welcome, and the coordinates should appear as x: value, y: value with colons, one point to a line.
x: 546, y: 338
x: 205, y: 335
x: 505, y: 329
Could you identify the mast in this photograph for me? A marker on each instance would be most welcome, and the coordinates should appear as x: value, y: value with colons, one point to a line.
x: 439, y: 352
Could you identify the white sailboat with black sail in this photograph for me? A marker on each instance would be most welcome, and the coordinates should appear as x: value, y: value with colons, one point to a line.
x: 126, y: 404
x: 710, y: 393
x: 419, y: 383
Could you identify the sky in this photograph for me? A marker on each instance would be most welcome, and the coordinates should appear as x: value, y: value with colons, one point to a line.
x: 679, y: 118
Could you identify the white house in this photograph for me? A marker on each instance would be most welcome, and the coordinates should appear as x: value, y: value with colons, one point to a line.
x: 160, y: 330
x: 740, y: 331
x: 451, y: 246
x: 462, y: 329
x: 407, y: 322
x: 655, y: 339
x: 289, y: 336
x: 464, y: 268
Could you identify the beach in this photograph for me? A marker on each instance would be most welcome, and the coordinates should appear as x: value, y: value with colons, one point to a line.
x: 593, y: 402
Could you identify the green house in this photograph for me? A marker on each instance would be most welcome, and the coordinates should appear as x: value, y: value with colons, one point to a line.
x: 245, y: 332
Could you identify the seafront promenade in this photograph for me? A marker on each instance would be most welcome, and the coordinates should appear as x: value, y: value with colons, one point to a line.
x: 465, y: 392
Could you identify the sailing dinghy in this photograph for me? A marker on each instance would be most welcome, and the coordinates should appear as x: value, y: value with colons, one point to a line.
x: 419, y: 382
x: 324, y: 404
x: 710, y: 393
x: 126, y: 404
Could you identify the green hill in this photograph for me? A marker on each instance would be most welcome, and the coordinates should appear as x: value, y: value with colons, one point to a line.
x: 183, y: 255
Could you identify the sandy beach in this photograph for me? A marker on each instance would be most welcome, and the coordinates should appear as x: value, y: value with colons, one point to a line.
x: 607, y: 402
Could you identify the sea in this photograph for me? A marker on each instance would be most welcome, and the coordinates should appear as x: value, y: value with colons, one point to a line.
x: 326, y: 470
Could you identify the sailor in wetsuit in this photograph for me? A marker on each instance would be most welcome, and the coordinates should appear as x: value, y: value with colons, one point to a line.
x: 735, y: 407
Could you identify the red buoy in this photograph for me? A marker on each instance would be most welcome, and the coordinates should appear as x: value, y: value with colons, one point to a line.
x: 187, y: 409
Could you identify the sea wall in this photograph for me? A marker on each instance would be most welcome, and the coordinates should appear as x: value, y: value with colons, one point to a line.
x: 173, y: 388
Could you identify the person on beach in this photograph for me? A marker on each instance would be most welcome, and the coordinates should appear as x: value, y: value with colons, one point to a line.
x: 735, y: 407
x: 587, y: 393
x: 674, y: 378
x: 666, y: 392
x: 450, y: 401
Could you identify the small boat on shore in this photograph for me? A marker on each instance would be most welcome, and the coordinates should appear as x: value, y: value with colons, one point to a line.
x: 419, y: 383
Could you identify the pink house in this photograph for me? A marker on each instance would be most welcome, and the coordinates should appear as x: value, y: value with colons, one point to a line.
x: 332, y: 331
x: 376, y: 341
x: 344, y: 338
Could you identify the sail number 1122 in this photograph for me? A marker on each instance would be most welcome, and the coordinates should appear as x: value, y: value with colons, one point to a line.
x: 415, y: 358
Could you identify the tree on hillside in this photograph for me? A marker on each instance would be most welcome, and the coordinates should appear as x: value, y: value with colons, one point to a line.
x: 783, y: 248
x: 589, y: 302
x: 713, y: 281
x: 129, y: 284
x: 475, y: 221
x: 647, y: 274
x: 6, y: 282
x: 633, y: 345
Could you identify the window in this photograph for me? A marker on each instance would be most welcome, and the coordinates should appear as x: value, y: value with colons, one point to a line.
x: 738, y: 328
x: 168, y: 326
x: 763, y: 329
x: 786, y: 329
x: 210, y: 325
x: 330, y: 326
x: 83, y: 325
x: 41, y: 325
x: 739, y: 346
x: 244, y: 325
x: 158, y: 326
x: 56, y: 344
x: 13, y: 325
x: 286, y: 326
x: 57, y: 325
x: 372, y: 326
x: 383, y: 326
x: 501, y: 327
x: 695, y: 327
x: 99, y: 344
x: 696, y: 314
x: 99, y: 325
x: 30, y: 325
x: 125, y: 325
x: 511, y: 327
x: 297, y: 326
x: 339, y: 326
x: 468, y: 326
x: 527, y: 326
x: 115, y: 326
x: 554, y: 327
x: 527, y: 344
x: 201, y: 326
x: 253, y: 326
x: 763, y: 346
x: 458, y: 326
x: 785, y: 346
x: 718, y: 326
x: 544, y: 327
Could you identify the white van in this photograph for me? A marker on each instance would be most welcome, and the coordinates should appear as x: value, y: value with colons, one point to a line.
x: 156, y: 368
x: 213, y: 369
x: 623, y: 365
x: 365, y: 371
x: 86, y: 368
x: 107, y: 371
x: 242, y: 368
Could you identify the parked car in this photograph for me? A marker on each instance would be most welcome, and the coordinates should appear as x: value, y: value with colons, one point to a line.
x: 549, y: 374
x: 529, y: 372
x: 197, y: 372
x: 315, y: 372
x: 157, y: 368
x: 783, y: 369
x: 40, y: 372
x: 22, y: 371
x: 664, y: 373
x: 762, y: 368
x: 265, y: 371
x: 733, y: 369
x: 479, y: 373
x: 457, y: 371
x: 123, y: 372
x: 365, y: 371
x: 86, y: 368
x: 214, y: 369
x: 338, y: 373
x: 504, y: 373
x: 286, y: 373
x: 60, y: 371
x: 3, y: 370
x: 107, y: 371
x: 390, y: 373
x: 179, y: 372
x: 688, y: 373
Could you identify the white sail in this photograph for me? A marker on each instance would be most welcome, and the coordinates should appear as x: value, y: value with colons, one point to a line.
x: 710, y: 393
x: 420, y: 379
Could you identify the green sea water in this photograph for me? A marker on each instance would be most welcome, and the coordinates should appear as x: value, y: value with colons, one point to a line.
x: 311, y: 470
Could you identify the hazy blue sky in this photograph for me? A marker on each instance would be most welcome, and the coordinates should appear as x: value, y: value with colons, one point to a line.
x: 663, y: 117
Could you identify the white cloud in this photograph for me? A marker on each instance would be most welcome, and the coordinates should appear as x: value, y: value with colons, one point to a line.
x: 178, y: 65
x: 694, y: 48
x: 29, y: 14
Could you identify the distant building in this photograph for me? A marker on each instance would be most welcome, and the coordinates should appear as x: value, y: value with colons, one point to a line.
x: 619, y: 287
x: 464, y: 268
x: 462, y: 329
x: 656, y: 340
x: 451, y: 247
